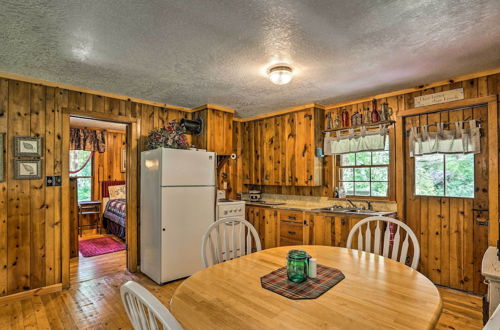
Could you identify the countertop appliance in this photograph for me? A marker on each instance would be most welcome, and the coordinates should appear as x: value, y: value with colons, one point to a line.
x: 177, y: 206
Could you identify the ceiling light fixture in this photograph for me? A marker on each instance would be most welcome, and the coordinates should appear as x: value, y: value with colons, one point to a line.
x: 280, y: 74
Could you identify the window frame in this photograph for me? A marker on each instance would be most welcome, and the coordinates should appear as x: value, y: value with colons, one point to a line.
x: 91, y: 177
x: 391, y: 175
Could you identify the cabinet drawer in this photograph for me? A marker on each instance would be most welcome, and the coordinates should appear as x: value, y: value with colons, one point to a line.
x: 296, y: 216
x: 291, y: 233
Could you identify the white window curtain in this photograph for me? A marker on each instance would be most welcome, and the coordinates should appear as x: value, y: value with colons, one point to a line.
x: 459, y: 140
x: 337, y: 144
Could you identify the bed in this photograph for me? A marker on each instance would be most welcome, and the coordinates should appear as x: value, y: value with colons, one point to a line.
x: 114, y: 218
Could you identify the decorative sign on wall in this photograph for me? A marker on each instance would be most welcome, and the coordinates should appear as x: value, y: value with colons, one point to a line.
x: 438, y: 98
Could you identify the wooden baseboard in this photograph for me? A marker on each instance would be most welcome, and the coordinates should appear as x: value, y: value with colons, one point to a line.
x: 31, y: 293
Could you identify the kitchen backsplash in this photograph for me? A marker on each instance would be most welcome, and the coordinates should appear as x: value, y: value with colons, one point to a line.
x: 318, y: 202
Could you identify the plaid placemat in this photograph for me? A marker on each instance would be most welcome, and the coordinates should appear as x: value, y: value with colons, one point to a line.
x: 277, y: 281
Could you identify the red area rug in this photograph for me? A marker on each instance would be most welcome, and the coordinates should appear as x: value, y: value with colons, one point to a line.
x: 97, y: 246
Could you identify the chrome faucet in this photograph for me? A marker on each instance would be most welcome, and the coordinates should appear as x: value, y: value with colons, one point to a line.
x: 369, y: 204
x: 350, y: 202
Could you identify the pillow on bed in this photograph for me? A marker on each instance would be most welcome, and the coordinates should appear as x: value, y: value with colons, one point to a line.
x: 116, y: 192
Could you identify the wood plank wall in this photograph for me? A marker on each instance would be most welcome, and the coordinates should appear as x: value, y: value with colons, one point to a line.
x: 452, y: 244
x: 107, y: 165
x: 30, y: 213
x: 477, y: 87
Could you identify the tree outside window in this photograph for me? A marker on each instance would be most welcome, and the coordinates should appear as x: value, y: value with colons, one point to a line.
x: 81, y: 168
x: 365, y: 173
x: 445, y: 175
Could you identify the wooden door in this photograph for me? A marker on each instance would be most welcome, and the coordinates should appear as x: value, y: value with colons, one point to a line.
x: 452, y: 232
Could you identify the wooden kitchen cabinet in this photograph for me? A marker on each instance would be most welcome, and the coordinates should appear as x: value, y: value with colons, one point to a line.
x: 286, y: 227
x: 264, y: 221
x: 331, y: 230
x: 217, y: 133
x: 281, y: 150
x: 293, y: 228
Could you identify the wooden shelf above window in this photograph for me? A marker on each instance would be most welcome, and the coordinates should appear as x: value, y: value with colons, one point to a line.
x: 371, y: 125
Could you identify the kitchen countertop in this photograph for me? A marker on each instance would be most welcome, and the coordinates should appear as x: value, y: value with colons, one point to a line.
x: 313, y: 208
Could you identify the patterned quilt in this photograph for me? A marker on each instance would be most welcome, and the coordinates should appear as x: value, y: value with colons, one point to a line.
x: 116, y: 211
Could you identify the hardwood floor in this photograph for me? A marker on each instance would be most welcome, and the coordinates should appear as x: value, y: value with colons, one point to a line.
x: 93, y: 301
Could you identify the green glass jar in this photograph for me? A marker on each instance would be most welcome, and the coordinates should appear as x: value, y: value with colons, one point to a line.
x: 297, y: 265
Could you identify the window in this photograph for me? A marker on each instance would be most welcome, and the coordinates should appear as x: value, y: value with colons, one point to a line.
x: 81, y: 168
x: 448, y: 175
x: 365, y: 173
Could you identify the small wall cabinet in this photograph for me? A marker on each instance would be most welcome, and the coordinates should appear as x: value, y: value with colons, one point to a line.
x: 281, y: 150
x: 217, y: 133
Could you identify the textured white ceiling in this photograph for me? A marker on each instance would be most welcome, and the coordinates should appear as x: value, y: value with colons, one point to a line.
x: 192, y: 52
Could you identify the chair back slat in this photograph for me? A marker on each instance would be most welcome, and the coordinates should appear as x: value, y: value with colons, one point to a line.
x: 387, y: 241
x: 392, y: 247
x: 360, y: 240
x: 144, y: 310
x: 249, y: 241
x: 395, y: 245
x: 404, y: 250
x: 368, y: 238
x: 234, y: 235
x: 376, y: 244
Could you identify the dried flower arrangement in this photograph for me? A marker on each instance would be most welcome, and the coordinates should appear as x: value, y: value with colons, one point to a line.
x: 171, y: 136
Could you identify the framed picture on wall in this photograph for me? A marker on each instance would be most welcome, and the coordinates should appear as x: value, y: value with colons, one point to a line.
x: 27, y: 146
x: 123, y: 162
x: 27, y: 169
x: 2, y: 177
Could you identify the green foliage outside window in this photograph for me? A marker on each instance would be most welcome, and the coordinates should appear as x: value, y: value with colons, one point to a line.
x: 449, y: 175
x: 365, y: 173
x: 84, y: 177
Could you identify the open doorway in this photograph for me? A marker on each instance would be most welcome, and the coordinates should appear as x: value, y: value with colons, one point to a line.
x: 98, y: 198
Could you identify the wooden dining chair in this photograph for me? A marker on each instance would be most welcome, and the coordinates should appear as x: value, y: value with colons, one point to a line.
x: 144, y: 310
x: 494, y: 321
x: 228, y: 239
x: 387, y: 240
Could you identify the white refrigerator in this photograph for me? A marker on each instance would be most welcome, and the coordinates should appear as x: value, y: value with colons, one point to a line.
x: 177, y: 206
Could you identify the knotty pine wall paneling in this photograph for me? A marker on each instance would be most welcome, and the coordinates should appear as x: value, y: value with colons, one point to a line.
x: 107, y: 165
x: 31, y: 214
x: 280, y: 151
x: 452, y: 243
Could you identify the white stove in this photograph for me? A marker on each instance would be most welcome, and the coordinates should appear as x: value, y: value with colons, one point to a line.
x: 228, y: 208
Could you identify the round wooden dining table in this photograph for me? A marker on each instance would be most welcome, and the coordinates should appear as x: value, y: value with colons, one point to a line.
x: 377, y: 293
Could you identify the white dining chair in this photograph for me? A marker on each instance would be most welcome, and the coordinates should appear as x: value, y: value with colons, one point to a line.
x: 144, y: 310
x: 387, y: 240
x: 494, y: 321
x: 228, y: 239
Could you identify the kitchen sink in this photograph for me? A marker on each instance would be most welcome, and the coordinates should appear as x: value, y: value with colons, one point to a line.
x: 345, y: 210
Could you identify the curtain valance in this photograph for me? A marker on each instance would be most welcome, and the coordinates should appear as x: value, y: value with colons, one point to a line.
x: 373, y: 140
x: 87, y: 139
x: 460, y: 140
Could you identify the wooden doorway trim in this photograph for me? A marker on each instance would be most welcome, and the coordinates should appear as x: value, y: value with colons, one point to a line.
x: 493, y: 155
x: 132, y: 177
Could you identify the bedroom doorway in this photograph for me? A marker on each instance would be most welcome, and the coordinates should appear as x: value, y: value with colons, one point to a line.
x: 99, y: 155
